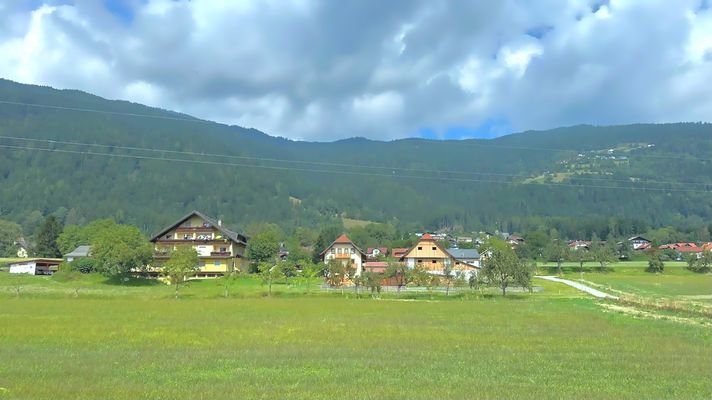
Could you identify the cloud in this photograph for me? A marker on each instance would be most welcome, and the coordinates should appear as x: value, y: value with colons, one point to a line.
x: 324, y: 70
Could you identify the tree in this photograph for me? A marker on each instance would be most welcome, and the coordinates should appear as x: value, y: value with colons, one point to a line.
x: 264, y: 245
x: 336, y: 273
x: 311, y: 271
x: 9, y: 233
x: 182, y: 264
x: 655, y: 261
x: 121, y: 249
x: 400, y: 272
x: 228, y: 281
x: 75, y: 235
x: 580, y: 256
x: 373, y: 281
x: 701, y: 263
x: 448, y: 275
x: 288, y: 270
x: 327, y: 235
x: 47, y: 236
x: 503, y: 269
x: 269, y: 273
x: 602, y: 253
x: 422, y: 277
x: 557, y: 251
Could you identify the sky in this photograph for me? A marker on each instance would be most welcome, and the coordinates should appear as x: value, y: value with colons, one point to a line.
x: 331, y: 69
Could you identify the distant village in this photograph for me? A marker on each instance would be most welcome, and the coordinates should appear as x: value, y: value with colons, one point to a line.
x: 221, y: 250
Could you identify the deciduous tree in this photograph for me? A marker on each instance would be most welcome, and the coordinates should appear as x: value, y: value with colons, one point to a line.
x: 503, y: 269
x: 183, y: 263
x: 120, y: 250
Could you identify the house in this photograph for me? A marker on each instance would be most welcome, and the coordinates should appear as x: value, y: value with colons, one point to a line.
x: 515, y: 240
x: 36, y: 266
x: 428, y: 254
x: 219, y: 249
x: 467, y: 256
x: 636, y: 242
x: 683, y: 248
x: 380, y: 267
x: 580, y: 245
x: 399, y: 252
x: 80, y: 252
x: 344, y: 250
x: 463, y: 239
x: 374, y: 252
x: 23, y: 248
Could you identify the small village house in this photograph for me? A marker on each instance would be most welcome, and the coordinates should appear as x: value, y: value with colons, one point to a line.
x: 82, y: 251
x: 639, y: 243
x: 375, y: 252
x: 344, y: 250
x: 219, y: 249
x: 428, y: 254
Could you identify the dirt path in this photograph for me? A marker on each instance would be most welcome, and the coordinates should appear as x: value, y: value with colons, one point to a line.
x: 579, y: 286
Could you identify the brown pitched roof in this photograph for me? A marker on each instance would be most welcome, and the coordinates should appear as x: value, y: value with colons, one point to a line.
x: 343, y: 239
x: 236, y: 237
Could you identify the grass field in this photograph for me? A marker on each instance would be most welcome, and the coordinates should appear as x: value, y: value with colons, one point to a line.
x: 338, y: 348
x: 134, y: 341
x: 675, y: 282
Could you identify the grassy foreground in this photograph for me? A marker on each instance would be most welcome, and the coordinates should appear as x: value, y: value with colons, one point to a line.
x: 330, y: 347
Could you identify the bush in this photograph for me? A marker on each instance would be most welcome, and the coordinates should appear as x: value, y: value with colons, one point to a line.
x: 84, y: 265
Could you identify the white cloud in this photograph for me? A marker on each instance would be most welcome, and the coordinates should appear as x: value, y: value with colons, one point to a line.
x: 323, y: 70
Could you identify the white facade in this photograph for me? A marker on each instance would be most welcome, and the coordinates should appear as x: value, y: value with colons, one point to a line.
x: 347, y: 253
x: 28, y: 267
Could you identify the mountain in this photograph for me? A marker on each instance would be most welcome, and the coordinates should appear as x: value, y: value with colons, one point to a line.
x: 85, y: 157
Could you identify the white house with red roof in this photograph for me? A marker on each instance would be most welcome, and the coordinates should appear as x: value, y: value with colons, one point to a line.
x: 374, y: 252
x: 346, y: 251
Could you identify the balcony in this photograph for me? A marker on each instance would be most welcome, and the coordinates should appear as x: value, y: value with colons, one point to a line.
x: 220, y: 254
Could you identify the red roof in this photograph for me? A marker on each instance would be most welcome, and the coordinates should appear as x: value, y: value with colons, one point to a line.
x: 426, y: 236
x: 375, y: 266
x: 399, y: 251
x: 382, y: 250
x: 683, y: 247
x: 343, y: 239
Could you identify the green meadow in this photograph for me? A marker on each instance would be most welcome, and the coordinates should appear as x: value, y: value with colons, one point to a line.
x: 129, y: 340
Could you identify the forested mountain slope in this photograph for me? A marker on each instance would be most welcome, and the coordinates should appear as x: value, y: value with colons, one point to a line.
x: 650, y: 174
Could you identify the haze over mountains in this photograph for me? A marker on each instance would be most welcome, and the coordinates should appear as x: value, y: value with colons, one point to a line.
x: 147, y: 166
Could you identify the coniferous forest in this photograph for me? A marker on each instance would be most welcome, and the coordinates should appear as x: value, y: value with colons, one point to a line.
x: 80, y: 157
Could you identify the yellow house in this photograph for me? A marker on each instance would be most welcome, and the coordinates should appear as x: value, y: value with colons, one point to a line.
x: 429, y: 255
x: 220, y: 250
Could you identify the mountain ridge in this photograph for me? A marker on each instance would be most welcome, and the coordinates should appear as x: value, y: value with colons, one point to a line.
x: 245, y: 175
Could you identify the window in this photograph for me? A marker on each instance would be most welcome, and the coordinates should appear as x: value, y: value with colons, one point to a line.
x: 216, y: 263
x: 420, y: 261
x: 435, y: 261
x: 333, y: 250
x: 169, y: 236
x: 420, y: 247
x: 201, y: 263
x: 353, y: 251
x: 338, y: 251
x: 434, y: 248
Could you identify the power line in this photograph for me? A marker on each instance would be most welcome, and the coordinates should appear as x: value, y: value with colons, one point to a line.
x: 358, y: 173
x: 464, y: 143
x: 92, y: 110
x: 322, y: 163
